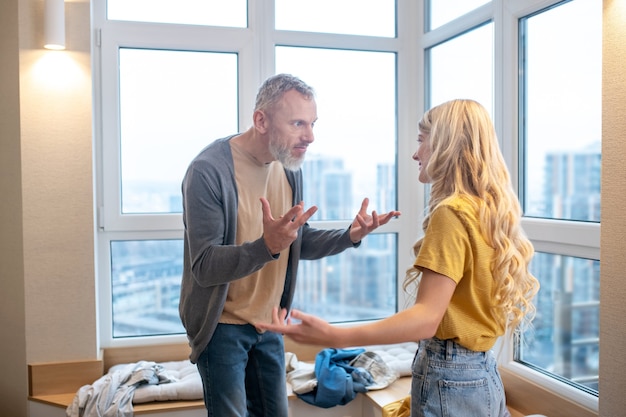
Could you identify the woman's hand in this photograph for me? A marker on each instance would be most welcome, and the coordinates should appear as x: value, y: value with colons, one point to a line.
x: 310, y: 330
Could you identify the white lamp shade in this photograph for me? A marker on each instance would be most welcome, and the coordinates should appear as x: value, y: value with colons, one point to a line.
x: 54, y: 24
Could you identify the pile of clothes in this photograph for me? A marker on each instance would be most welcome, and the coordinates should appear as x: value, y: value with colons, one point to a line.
x: 114, y: 394
x: 337, y: 376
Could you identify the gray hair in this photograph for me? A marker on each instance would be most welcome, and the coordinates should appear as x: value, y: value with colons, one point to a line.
x: 273, y: 88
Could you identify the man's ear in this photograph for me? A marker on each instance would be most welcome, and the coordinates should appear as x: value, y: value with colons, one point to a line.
x: 259, y: 118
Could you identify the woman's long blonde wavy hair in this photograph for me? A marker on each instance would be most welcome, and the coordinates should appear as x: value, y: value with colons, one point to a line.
x: 466, y: 162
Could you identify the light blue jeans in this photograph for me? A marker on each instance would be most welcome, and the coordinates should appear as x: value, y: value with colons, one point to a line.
x: 243, y: 373
x: 450, y: 380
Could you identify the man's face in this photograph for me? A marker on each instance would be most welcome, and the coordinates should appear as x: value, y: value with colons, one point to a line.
x: 291, y: 129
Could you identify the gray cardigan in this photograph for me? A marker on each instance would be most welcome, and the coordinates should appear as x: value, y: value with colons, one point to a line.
x: 211, y: 258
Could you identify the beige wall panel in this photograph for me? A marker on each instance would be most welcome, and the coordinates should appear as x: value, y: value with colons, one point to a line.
x: 613, y: 264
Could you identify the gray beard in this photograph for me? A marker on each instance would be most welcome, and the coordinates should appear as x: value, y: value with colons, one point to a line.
x: 283, y: 155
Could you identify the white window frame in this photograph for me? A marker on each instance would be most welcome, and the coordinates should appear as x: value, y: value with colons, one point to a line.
x: 255, y: 49
x: 560, y: 237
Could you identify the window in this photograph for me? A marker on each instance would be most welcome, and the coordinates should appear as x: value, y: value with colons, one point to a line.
x: 172, y: 79
x: 145, y: 287
x: 164, y: 106
x: 560, y: 106
x: 556, y: 91
x: 441, y: 12
x: 565, y: 337
x: 349, y: 17
x: 463, y: 67
x: 344, y: 103
x: 186, y: 12
x: 361, y: 284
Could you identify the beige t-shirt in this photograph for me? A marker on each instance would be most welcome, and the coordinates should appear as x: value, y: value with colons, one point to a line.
x: 453, y: 246
x: 251, y: 298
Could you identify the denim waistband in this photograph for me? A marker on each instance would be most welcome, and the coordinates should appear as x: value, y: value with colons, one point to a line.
x: 448, y: 349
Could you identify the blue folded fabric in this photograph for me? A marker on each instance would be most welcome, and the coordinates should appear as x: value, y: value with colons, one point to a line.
x: 335, y: 383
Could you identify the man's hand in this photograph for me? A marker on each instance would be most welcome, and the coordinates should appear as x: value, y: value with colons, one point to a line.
x: 363, y: 223
x: 280, y: 233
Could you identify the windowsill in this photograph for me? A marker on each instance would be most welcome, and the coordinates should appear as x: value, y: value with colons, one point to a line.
x: 55, y: 384
x: 529, y: 397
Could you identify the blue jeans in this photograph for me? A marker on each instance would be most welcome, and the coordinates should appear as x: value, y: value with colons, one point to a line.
x: 243, y: 373
x: 450, y: 380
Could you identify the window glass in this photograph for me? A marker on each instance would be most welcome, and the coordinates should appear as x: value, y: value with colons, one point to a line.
x: 232, y: 13
x: 562, y: 111
x: 462, y: 67
x: 351, y: 17
x: 564, y: 339
x: 441, y: 12
x: 353, y: 157
x: 145, y: 287
x: 354, y: 285
x: 171, y: 104
x: 354, y: 152
x: 560, y: 147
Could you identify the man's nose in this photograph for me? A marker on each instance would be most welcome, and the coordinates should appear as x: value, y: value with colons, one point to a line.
x: 309, y: 136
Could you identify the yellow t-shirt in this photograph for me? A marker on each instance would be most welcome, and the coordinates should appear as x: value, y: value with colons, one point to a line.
x: 454, y: 247
x: 251, y: 298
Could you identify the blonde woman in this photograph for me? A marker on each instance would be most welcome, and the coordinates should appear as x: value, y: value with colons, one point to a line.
x: 471, y: 268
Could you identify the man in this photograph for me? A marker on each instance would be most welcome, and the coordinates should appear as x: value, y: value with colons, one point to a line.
x: 245, y: 231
